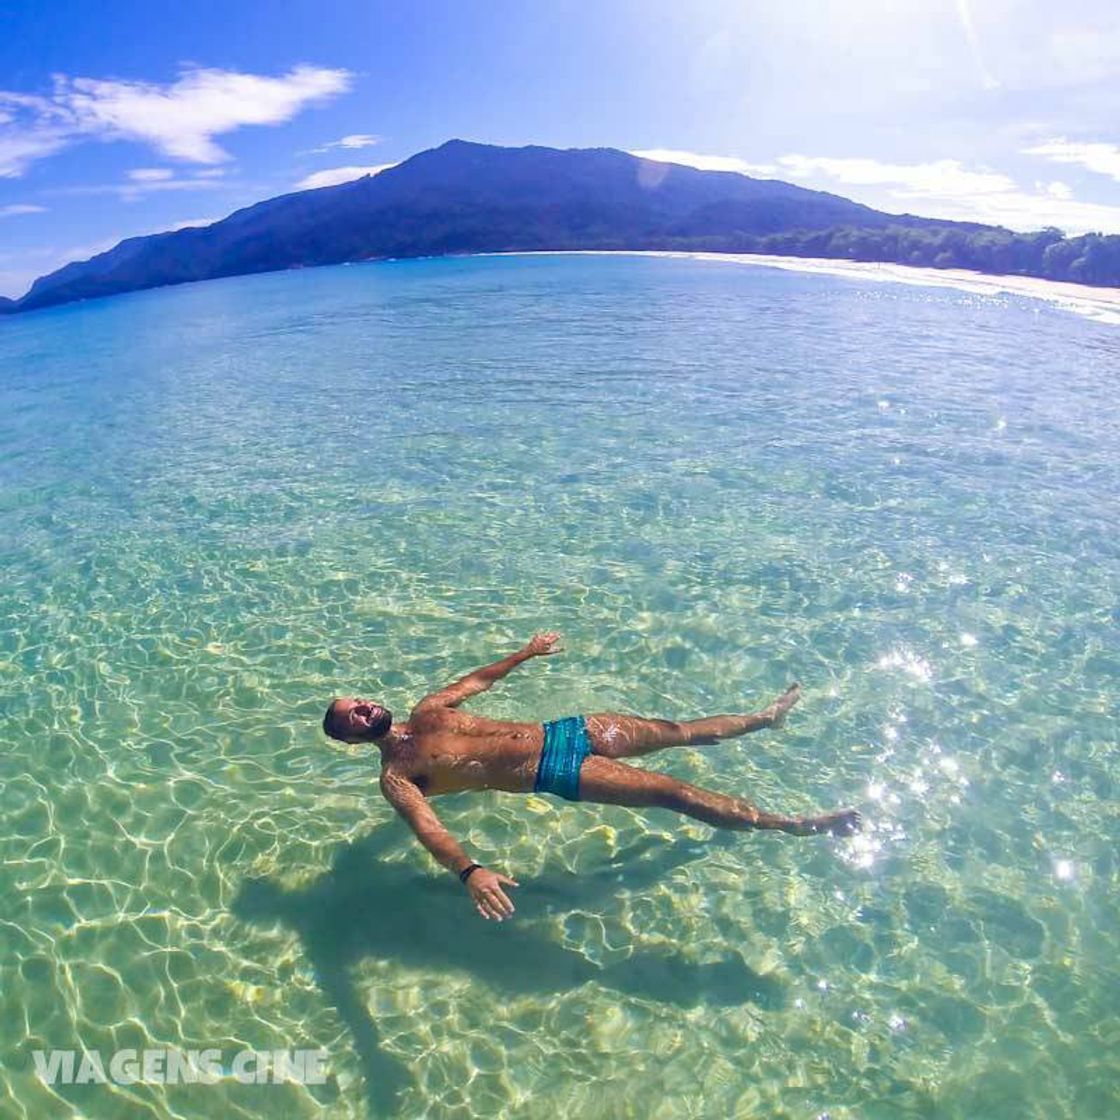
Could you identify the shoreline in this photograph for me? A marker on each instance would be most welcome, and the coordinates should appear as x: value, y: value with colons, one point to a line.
x: 1102, y: 305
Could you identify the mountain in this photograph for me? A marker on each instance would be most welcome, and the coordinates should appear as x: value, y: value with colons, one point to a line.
x: 464, y: 198
x: 6, y: 305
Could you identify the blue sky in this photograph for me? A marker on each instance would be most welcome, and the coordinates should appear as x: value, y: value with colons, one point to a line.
x: 123, y: 117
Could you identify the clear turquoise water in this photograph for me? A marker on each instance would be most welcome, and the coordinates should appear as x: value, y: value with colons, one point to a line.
x: 222, y: 504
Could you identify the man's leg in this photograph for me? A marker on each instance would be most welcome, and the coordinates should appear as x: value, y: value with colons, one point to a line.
x: 614, y: 735
x: 609, y: 782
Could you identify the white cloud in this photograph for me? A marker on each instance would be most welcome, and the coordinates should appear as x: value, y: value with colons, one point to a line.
x: 703, y: 162
x: 20, y: 147
x: 208, y: 173
x: 943, y: 188
x: 939, y: 177
x: 332, y: 176
x: 947, y: 189
x: 150, y: 174
x: 1055, y: 188
x: 1024, y: 211
x: 357, y: 140
x: 21, y: 208
x: 138, y: 188
x: 190, y: 223
x: 1100, y: 157
x: 180, y: 119
x: 183, y: 118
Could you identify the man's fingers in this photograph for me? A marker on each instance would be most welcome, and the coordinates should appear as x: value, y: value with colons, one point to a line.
x: 542, y: 644
x: 498, y: 899
x: 493, y: 904
x: 490, y: 899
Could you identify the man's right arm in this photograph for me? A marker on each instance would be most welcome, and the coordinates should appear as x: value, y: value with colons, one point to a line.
x: 484, y: 885
x: 541, y: 645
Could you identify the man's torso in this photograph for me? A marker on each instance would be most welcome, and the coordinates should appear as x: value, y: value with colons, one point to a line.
x: 447, y: 750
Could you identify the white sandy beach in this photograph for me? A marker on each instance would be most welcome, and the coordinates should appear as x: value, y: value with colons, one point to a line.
x: 1100, y: 304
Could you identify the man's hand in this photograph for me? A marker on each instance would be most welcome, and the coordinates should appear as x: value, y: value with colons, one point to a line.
x: 543, y: 645
x: 486, y: 890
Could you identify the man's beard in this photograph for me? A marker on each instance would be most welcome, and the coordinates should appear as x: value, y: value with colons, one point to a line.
x: 382, y: 725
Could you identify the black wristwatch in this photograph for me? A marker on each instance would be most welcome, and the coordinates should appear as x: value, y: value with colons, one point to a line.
x: 468, y: 871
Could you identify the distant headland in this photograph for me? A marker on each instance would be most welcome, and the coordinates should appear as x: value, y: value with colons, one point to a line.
x: 476, y: 198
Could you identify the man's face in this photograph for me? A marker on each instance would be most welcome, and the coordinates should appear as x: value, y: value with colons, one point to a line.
x: 359, y: 721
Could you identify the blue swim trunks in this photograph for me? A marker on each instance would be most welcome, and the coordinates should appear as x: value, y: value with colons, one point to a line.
x: 565, y: 747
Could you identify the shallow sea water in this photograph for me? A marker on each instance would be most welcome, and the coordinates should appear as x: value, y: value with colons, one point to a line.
x: 224, y: 503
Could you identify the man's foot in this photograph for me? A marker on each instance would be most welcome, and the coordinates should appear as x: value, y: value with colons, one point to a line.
x: 844, y: 822
x: 776, y: 713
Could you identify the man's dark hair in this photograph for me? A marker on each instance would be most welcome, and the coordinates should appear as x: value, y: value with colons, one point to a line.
x: 328, y: 722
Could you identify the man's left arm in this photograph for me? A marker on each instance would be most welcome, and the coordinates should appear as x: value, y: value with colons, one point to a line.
x: 483, y: 885
x: 541, y: 645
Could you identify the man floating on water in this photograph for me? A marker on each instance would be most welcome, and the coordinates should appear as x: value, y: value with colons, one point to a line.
x: 443, y: 750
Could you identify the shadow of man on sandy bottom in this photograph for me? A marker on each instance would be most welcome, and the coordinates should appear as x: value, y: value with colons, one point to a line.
x: 365, y: 908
